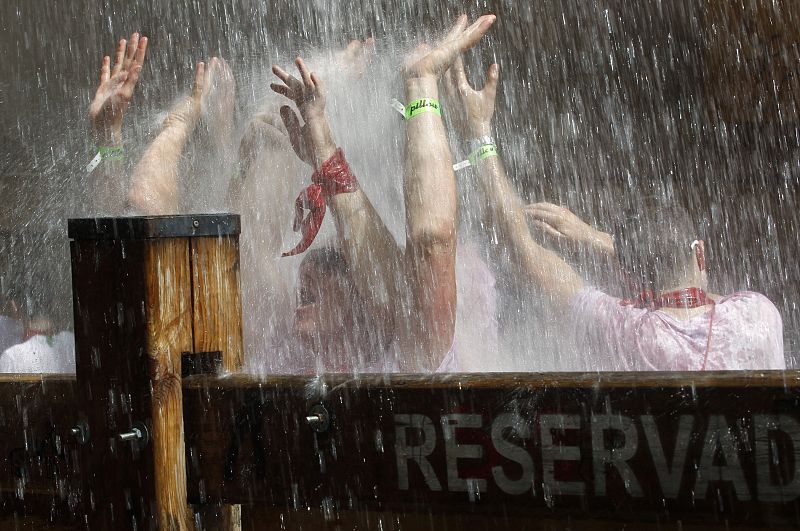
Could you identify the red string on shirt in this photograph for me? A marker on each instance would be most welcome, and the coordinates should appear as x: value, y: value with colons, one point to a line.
x: 333, y: 177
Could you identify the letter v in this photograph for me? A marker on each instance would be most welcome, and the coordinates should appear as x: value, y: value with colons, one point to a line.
x: 669, y: 477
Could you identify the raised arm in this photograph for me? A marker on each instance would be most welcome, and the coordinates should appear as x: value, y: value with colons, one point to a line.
x: 106, y: 112
x: 428, y: 318
x: 369, y: 248
x: 545, y: 269
x: 155, y: 179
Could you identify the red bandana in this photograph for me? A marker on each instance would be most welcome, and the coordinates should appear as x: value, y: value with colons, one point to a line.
x: 333, y: 177
x: 681, y: 298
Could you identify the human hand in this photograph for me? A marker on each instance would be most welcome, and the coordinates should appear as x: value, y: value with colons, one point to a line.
x: 355, y: 58
x: 116, y: 87
x: 562, y: 224
x: 478, y: 105
x: 265, y: 129
x: 217, y: 101
x: 427, y: 62
x: 311, y: 141
x: 187, y: 111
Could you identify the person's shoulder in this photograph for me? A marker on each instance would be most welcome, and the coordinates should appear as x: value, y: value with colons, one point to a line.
x: 748, y: 298
x: 754, y: 304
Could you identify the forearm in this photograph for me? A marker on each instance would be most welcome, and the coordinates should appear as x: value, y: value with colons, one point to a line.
x: 545, y: 269
x: 154, y: 183
x: 107, y: 180
x: 431, y: 212
x: 371, y: 252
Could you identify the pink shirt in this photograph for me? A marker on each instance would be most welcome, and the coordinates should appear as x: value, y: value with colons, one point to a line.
x: 747, y: 333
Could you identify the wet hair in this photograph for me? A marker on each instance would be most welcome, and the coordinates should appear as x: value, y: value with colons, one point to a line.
x: 653, y: 242
x: 327, y: 260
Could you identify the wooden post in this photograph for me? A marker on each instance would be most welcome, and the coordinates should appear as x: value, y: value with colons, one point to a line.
x: 146, y: 291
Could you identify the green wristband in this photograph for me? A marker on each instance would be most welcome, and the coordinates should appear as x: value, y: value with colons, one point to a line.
x: 482, y: 153
x: 111, y: 152
x: 422, y: 105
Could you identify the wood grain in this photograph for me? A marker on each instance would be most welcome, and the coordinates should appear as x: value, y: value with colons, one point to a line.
x: 169, y: 333
x: 217, y: 305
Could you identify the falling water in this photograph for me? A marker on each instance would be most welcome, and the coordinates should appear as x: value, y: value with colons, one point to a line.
x: 600, y: 104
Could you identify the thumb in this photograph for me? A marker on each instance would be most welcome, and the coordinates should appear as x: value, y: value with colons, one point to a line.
x: 492, y: 80
x: 292, y: 124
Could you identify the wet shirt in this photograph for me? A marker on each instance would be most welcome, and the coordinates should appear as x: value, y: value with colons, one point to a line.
x: 10, y: 332
x: 41, y: 354
x: 747, y: 333
x: 475, y: 332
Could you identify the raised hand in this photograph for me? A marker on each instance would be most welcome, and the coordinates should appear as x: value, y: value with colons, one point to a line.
x: 428, y: 61
x: 217, y: 101
x: 187, y: 111
x: 312, y: 141
x: 265, y: 129
x: 563, y: 225
x: 478, y: 105
x: 117, y: 84
x: 355, y: 58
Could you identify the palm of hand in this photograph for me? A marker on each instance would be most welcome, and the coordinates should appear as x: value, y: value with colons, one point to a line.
x: 425, y: 61
x: 217, y: 98
x: 117, y: 83
x: 110, y: 101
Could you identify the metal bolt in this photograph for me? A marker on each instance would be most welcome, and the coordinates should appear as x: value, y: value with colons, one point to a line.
x: 318, y: 418
x: 138, y: 433
x: 80, y: 431
x: 196, y: 223
x: 133, y: 435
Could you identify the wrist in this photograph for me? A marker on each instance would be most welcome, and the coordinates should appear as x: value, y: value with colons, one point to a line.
x: 107, y: 136
x: 479, y: 129
x: 421, y: 87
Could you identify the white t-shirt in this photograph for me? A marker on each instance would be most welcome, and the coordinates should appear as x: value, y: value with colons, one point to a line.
x: 41, y: 354
x: 746, y: 334
x: 10, y: 332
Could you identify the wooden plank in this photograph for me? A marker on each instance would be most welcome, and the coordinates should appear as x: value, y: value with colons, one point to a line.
x: 38, y: 455
x: 217, y: 322
x: 217, y: 306
x: 258, y: 517
x: 110, y: 316
x: 169, y: 333
x: 684, y: 449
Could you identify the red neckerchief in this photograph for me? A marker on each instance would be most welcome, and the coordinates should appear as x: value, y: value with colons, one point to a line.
x: 333, y: 177
x: 680, y: 298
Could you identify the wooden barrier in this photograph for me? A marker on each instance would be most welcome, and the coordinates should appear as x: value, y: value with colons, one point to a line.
x: 146, y: 429
x: 713, y: 449
x: 39, y: 471
x: 147, y: 291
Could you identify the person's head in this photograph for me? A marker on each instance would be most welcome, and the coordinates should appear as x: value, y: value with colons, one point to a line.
x: 655, y: 246
x: 330, y: 318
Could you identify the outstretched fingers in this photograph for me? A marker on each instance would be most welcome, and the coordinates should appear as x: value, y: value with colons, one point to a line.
x: 305, y: 73
x: 470, y: 37
x: 547, y: 229
x: 119, y: 57
x: 292, y: 87
x: 295, y: 130
x: 492, y: 79
x: 105, y: 70
x: 199, y: 80
x: 457, y: 29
